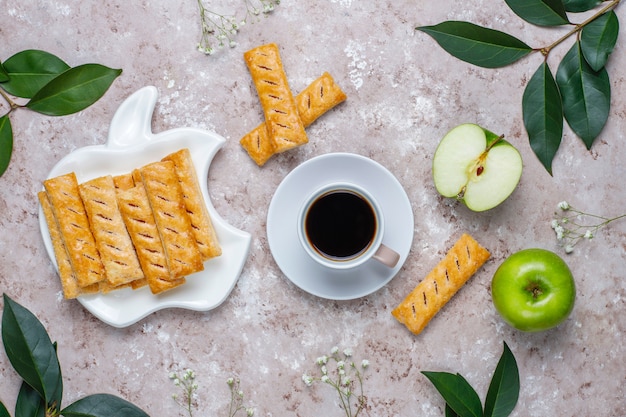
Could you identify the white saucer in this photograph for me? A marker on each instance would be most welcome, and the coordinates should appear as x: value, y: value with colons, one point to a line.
x: 282, y: 232
x: 130, y: 145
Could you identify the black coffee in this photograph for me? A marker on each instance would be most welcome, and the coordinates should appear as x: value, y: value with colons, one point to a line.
x: 340, y: 224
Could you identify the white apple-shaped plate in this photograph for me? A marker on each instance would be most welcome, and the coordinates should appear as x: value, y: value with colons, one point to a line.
x: 131, y: 144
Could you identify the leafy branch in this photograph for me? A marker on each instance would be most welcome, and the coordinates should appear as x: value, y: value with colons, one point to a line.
x: 50, y: 87
x: 463, y: 401
x: 34, y: 358
x: 580, y: 93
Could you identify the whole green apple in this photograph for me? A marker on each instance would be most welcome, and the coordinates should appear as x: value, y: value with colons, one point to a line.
x: 533, y: 290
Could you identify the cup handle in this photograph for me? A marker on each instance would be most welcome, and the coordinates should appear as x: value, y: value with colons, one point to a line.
x: 387, y: 256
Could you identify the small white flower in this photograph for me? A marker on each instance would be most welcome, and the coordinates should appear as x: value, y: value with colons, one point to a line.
x: 342, y: 372
x: 194, y: 386
x: 230, y: 381
x: 569, y: 249
x: 324, y: 370
x: 322, y: 360
x: 341, y: 364
x: 172, y: 375
x: 347, y: 352
x: 365, y: 363
x: 325, y: 379
x: 588, y: 234
x: 346, y: 381
x: 564, y: 205
x: 554, y: 224
x: 176, y: 381
x: 232, y: 44
x: 250, y: 411
x: 240, y: 393
x: 334, y: 350
x: 308, y: 380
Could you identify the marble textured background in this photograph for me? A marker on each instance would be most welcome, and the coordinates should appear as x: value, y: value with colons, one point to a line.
x: 404, y: 93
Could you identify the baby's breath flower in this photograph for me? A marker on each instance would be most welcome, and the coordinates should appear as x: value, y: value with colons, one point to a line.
x: 344, y: 379
x: 187, y: 386
x: 308, y: 380
x: 237, y: 399
x: 575, y: 225
x: 219, y: 30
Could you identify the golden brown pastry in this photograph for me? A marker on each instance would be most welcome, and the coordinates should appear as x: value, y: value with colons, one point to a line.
x: 126, y: 182
x: 319, y: 97
x: 284, y: 126
x: 70, y: 286
x: 201, y: 224
x: 78, y: 239
x: 141, y: 225
x: 166, y: 200
x: 430, y: 295
x: 112, y: 240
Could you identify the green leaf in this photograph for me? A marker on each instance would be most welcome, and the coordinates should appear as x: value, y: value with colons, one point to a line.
x: 598, y: 39
x: 504, y: 388
x: 29, y: 403
x: 74, y: 90
x: 4, y: 77
x: 6, y: 143
x: 30, y: 351
x: 457, y: 393
x: 543, y: 115
x: 580, y: 5
x: 3, y: 411
x: 450, y: 412
x: 102, y: 405
x: 586, y: 95
x: 477, y: 45
x: 540, y: 12
x: 30, y: 70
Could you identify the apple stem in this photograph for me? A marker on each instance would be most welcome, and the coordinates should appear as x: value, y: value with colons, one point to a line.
x: 535, y: 289
x: 491, y: 145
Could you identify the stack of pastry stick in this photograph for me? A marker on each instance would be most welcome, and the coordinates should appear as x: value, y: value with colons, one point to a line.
x: 286, y: 116
x: 147, y: 227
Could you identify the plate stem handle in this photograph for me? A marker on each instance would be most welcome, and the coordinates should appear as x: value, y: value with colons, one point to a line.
x: 132, y: 122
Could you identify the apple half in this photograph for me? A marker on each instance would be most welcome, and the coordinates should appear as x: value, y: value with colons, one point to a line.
x: 476, y: 166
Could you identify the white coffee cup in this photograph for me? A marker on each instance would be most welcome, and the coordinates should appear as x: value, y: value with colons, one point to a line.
x: 341, y: 226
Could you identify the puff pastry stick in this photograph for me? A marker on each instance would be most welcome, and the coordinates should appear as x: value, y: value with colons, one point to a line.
x: 201, y: 224
x: 126, y: 182
x: 78, y: 239
x: 112, y: 239
x: 166, y: 200
x: 450, y: 274
x: 319, y: 97
x: 70, y: 287
x: 284, y: 126
x: 142, y: 228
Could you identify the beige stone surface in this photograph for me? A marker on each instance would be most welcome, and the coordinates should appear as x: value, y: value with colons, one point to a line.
x: 404, y: 93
